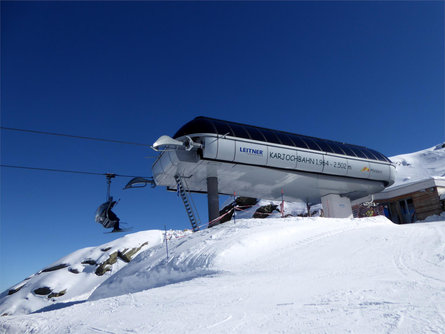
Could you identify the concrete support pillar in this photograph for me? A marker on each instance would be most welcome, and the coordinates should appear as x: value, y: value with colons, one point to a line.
x: 213, y: 197
x: 335, y: 206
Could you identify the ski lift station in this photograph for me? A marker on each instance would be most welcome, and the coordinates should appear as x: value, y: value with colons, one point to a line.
x: 219, y: 157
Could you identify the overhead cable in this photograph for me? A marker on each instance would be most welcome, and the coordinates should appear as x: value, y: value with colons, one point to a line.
x: 64, y: 170
x: 73, y: 136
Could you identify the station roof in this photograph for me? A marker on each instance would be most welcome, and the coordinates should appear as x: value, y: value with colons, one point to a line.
x: 203, y: 124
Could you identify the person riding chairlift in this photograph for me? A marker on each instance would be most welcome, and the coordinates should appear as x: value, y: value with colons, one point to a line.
x: 106, y: 217
x: 113, y: 218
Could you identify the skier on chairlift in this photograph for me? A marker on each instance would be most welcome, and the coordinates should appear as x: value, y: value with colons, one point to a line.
x: 113, y: 218
x: 104, y: 214
x: 106, y: 217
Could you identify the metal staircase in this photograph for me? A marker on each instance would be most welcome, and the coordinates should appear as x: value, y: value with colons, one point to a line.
x: 185, y: 199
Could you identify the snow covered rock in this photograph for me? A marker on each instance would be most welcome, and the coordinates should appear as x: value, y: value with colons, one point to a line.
x: 74, y: 277
x: 291, y: 275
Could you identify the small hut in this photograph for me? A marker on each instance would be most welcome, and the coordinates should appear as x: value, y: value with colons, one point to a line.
x: 405, y: 203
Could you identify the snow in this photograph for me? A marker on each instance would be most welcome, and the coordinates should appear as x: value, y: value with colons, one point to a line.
x: 276, y: 275
x: 433, y: 218
x: 80, y: 285
x: 419, y: 165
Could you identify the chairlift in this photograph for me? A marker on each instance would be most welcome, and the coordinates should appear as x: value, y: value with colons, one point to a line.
x: 104, y: 215
x: 140, y: 182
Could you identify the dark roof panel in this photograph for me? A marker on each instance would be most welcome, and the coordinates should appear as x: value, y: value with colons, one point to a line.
x: 311, y: 144
x: 369, y: 154
x: 357, y: 151
x: 323, y: 145
x: 285, y: 139
x: 379, y: 155
x: 298, y: 141
x: 255, y: 134
x: 347, y: 150
x: 210, y: 125
x: 271, y: 137
x: 223, y: 128
x: 336, y: 148
x: 239, y: 131
x: 198, y: 125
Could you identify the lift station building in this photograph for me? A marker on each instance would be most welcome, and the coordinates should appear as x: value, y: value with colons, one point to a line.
x: 220, y: 157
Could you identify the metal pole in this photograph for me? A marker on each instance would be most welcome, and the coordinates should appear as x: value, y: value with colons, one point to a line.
x: 108, y: 187
x: 166, y: 243
x: 234, y: 207
x: 109, y: 177
x: 213, y: 197
x: 282, y: 203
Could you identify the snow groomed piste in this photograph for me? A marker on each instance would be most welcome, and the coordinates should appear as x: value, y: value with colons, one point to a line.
x: 221, y: 157
x: 292, y: 275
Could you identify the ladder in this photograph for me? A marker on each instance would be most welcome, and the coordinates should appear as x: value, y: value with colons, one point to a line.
x: 184, y: 196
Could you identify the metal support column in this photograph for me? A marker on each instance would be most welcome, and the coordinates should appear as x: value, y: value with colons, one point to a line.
x: 213, y: 197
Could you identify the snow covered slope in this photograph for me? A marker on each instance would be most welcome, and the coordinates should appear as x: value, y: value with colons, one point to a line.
x: 74, y: 277
x: 291, y: 275
x: 420, y: 165
x: 277, y: 275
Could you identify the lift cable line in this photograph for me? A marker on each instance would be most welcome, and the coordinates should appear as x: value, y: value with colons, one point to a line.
x: 65, y: 171
x: 74, y: 136
x: 104, y: 214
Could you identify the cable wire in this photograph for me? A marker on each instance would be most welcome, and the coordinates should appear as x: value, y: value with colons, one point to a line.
x: 73, y: 136
x: 65, y: 171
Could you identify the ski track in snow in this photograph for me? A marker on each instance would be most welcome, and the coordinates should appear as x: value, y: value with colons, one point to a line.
x: 295, y: 275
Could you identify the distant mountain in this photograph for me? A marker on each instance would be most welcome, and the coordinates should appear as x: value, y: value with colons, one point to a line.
x: 420, y: 165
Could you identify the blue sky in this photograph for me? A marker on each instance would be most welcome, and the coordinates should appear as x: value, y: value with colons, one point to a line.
x: 367, y: 73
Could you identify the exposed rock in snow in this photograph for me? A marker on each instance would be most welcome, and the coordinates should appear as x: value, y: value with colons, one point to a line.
x: 74, y: 277
x: 291, y: 275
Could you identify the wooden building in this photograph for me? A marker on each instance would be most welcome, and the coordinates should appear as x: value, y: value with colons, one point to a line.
x: 406, y: 203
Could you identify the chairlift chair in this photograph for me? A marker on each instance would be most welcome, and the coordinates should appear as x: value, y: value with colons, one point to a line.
x: 104, y: 215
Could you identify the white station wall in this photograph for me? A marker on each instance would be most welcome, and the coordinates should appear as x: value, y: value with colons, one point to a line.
x: 232, y: 150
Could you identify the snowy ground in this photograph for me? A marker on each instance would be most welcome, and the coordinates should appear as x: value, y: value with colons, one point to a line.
x: 420, y: 165
x: 292, y: 275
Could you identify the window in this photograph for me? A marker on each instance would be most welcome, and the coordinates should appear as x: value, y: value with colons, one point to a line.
x: 209, y: 125
x: 312, y: 144
x: 285, y: 139
x: 347, y: 150
x: 255, y: 134
x: 369, y: 154
x: 324, y: 147
x: 336, y: 148
x: 198, y: 125
x: 222, y: 128
x: 239, y: 131
x: 357, y: 152
x: 270, y: 137
x: 379, y: 156
x: 298, y: 141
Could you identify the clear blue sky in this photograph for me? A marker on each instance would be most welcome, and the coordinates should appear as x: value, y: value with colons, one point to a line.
x: 367, y: 73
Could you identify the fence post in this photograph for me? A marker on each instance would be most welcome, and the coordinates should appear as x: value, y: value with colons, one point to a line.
x: 166, y: 243
x: 234, y: 207
x: 282, y: 203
